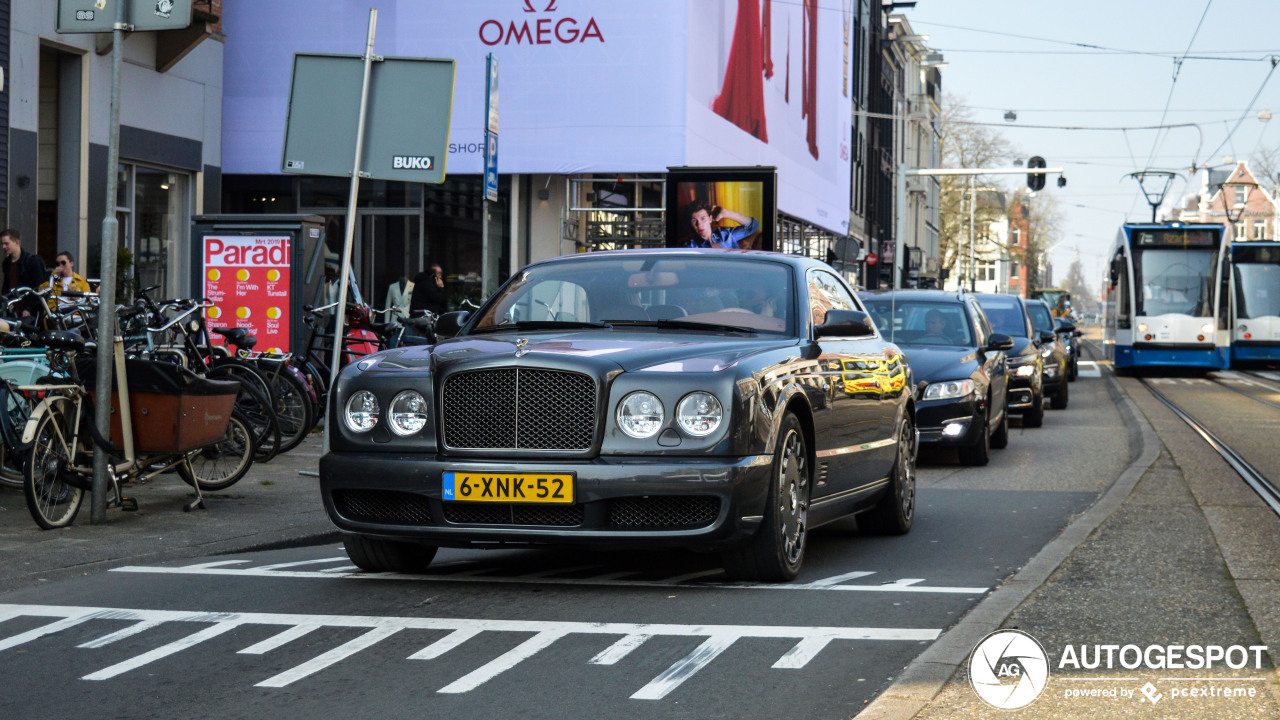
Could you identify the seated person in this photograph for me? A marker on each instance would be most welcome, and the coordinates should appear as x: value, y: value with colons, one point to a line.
x: 937, y: 330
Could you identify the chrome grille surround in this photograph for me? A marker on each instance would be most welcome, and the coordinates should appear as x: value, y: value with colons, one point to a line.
x: 519, y: 409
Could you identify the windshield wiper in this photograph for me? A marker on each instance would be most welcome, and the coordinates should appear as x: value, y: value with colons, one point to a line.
x: 543, y: 325
x: 691, y: 325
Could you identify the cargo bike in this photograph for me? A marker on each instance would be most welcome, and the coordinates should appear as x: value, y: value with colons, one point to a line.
x: 163, y: 418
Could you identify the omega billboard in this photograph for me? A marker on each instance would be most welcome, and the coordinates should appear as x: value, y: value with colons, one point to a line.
x: 588, y: 86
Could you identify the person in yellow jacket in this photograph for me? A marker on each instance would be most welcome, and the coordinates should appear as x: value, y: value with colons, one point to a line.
x: 67, y: 279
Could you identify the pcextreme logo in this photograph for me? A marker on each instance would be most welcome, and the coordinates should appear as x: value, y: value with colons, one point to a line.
x: 1009, y: 669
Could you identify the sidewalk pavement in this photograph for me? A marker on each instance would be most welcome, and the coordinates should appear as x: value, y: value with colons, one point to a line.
x: 1179, y: 552
x: 272, y: 506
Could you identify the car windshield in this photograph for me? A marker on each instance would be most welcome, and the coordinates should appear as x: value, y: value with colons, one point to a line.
x: 1004, y: 314
x: 915, y: 322
x: 723, y: 294
x: 1041, y: 320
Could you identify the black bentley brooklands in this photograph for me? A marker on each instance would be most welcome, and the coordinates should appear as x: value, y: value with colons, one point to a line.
x: 710, y: 399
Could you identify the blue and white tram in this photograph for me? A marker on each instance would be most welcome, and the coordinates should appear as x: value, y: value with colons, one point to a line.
x: 1166, y: 297
x: 1255, y: 302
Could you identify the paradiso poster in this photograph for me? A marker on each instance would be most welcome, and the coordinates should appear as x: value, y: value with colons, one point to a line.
x: 247, y: 278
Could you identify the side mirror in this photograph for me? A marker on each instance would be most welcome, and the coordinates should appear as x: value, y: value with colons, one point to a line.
x: 448, y: 324
x: 1047, y: 338
x: 999, y: 341
x: 1066, y: 328
x: 845, y: 323
x: 1077, y: 333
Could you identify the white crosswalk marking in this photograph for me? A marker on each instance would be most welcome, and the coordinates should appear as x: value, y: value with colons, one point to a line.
x: 1089, y: 369
x: 715, y: 639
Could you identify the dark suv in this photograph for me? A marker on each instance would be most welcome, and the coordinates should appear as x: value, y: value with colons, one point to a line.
x: 1008, y: 316
x: 951, y: 348
x: 1054, y: 353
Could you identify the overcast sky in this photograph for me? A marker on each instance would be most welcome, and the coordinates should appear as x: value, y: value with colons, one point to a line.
x: 1027, y: 56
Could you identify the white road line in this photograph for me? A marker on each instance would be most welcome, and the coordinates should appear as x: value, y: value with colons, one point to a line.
x: 28, y: 636
x: 444, y: 644
x: 800, y: 655
x: 164, y: 651
x: 341, y: 569
x: 503, y: 662
x: 130, y: 631
x: 619, y: 650
x: 685, y: 668
x: 321, y: 561
x: 810, y: 640
x: 612, y: 576
x: 279, y: 639
x: 836, y: 579
x: 338, y: 654
x: 1089, y: 369
x: 474, y: 575
x: 556, y: 571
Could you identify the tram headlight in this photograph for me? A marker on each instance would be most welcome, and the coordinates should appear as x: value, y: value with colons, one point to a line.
x: 1142, y: 327
x: 1206, y: 328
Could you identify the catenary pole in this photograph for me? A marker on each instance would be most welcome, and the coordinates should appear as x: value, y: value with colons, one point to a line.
x: 107, y: 287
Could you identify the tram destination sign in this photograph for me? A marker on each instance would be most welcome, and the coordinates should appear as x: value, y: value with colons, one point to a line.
x: 406, y: 133
x: 99, y: 16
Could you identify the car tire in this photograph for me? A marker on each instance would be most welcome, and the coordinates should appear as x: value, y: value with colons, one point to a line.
x: 1000, y: 439
x: 776, y: 551
x: 1075, y: 370
x: 1060, y: 398
x: 979, y: 453
x: 378, y: 555
x: 896, y: 511
x: 1033, y: 417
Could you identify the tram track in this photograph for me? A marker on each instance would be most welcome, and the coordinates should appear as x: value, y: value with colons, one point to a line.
x: 1265, y: 488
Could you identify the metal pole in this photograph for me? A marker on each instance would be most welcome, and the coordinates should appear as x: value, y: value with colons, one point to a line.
x: 899, y: 242
x: 340, y: 317
x: 107, y: 287
x: 973, y: 269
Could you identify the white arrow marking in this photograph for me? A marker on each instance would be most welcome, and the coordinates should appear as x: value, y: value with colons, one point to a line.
x: 338, y: 654
x: 685, y: 668
x: 278, y: 639
x: 164, y: 651
x: 619, y: 650
x: 503, y: 662
x: 800, y: 655
x: 445, y: 644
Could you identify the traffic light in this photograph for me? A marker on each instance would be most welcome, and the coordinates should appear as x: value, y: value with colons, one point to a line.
x: 1035, y: 181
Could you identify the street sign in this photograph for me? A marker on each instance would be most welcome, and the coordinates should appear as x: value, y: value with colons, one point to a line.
x: 99, y: 16
x: 491, y: 94
x: 406, y: 124
x: 491, y: 166
x: 872, y: 259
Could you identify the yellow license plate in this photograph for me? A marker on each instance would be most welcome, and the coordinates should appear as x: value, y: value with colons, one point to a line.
x: 509, y: 487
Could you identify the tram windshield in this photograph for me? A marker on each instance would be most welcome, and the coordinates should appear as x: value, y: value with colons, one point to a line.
x: 1175, y: 281
x: 1257, y: 289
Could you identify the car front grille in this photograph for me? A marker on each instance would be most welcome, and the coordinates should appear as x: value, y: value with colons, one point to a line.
x: 513, y: 514
x: 664, y: 511
x: 519, y: 409
x: 382, y: 506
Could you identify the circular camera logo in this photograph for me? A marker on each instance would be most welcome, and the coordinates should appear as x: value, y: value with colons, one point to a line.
x: 1008, y: 669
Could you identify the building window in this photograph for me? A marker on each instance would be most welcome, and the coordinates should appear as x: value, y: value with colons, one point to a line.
x: 1013, y: 269
x: 986, y: 271
x: 1241, y: 191
x: 1239, y: 230
x: 1015, y: 236
x: 1259, y: 229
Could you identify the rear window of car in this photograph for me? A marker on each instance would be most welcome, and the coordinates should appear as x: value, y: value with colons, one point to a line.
x: 1040, y: 317
x: 1005, y: 315
x: 917, y: 322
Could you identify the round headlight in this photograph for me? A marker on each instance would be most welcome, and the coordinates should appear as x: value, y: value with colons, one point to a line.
x: 1206, y: 328
x: 640, y: 414
x: 362, y: 412
x: 699, y: 414
x: 407, y: 413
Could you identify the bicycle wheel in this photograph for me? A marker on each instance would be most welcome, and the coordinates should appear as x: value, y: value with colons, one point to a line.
x: 52, y: 501
x: 318, y: 381
x: 17, y: 410
x: 221, y: 465
x: 255, y: 404
x: 292, y: 404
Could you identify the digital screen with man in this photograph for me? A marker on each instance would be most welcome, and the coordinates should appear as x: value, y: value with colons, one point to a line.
x: 715, y: 211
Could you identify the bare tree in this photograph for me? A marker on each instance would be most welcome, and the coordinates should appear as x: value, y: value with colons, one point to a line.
x: 1045, y: 221
x: 1082, y: 297
x: 1265, y: 165
x: 964, y: 145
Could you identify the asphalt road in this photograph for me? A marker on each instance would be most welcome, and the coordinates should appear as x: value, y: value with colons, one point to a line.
x: 299, y: 633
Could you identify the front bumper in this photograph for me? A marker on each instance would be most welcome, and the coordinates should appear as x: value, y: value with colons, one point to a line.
x: 687, y: 502
x: 933, y: 417
x: 1023, y: 392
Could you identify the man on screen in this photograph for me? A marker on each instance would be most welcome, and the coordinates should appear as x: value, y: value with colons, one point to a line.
x: 729, y: 238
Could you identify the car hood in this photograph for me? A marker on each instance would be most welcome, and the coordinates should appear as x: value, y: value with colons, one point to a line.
x: 606, y: 351
x: 933, y: 363
x: 1021, y: 346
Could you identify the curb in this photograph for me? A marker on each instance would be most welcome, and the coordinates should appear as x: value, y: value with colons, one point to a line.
x: 916, y: 686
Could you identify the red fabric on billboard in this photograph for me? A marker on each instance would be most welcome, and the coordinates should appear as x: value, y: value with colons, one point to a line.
x: 766, y: 39
x: 741, y: 99
x: 809, y: 105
